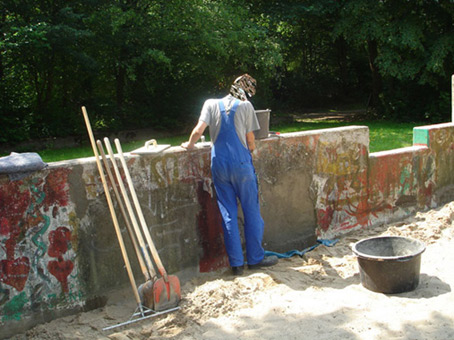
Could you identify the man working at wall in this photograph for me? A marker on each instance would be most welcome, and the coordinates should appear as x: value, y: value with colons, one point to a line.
x: 232, y: 121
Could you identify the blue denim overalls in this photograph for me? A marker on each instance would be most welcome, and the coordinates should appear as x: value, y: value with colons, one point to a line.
x: 234, y: 176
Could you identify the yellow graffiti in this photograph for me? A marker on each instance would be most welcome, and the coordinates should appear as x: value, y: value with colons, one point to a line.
x: 331, y: 159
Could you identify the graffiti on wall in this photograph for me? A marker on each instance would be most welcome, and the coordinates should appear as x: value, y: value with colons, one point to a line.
x: 209, y: 223
x: 394, y: 185
x: 177, y: 182
x: 35, y: 243
x: 442, y: 144
x: 340, y: 181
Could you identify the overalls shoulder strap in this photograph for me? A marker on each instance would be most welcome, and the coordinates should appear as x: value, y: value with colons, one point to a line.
x: 232, y: 110
x: 228, y: 145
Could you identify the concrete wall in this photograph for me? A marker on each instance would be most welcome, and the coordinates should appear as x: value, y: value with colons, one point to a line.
x: 58, y: 249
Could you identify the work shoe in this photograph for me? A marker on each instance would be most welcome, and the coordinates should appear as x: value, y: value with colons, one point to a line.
x: 267, y: 261
x: 237, y: 271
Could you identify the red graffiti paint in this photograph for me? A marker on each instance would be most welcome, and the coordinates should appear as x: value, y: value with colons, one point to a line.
x: 5, y: 228
x: 361, y: 212
x: 364, y: 210
x: 10, y: 246
x: 56, y: 188
x: 20, y: 210
x: 15, y: 272
x: 59, y: 240
x: 387, y: 173
x: 324, y: 217
x: 14, y: 202
x: 61, y: 270
x: 210, y: 231
x: 209, y: 220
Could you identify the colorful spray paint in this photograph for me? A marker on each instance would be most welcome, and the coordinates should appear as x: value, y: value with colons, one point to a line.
x: 36, y: 253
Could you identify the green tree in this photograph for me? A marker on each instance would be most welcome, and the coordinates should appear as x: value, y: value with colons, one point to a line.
x: 410, y: 51
x: 40, y: 55
x: 319, y: 68
x: 140, y: 63
x: 135, y: 63
x: 168, y: 56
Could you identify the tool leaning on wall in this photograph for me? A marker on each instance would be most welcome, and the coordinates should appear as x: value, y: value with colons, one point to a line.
x: 166, y: 290
x: 155, y: 296
x: 145, y: 289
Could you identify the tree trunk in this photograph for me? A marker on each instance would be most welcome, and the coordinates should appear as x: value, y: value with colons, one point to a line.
x: 342, y: 63
x: 120, y: 82
x: 376, y: 78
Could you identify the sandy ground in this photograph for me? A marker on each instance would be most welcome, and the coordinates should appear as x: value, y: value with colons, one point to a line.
x: 317, y: 296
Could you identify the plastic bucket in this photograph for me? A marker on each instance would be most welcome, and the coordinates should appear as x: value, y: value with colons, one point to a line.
x: 263, y: 116
x: 389, y: 264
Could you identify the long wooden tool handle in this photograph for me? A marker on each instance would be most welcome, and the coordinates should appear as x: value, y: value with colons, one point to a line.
x: 143, y: 248
x: 123, y: 211
x: 111, y: 208
x: 146, y: 232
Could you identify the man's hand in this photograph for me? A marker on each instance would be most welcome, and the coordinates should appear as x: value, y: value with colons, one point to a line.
x: 187, y: 145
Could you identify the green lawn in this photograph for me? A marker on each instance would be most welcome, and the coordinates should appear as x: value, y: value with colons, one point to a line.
x: 54, y: 155
x: 383, y: 136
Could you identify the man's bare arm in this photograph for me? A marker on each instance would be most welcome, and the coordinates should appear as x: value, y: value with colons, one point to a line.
x: 196, y: 133
x: 250, y: 139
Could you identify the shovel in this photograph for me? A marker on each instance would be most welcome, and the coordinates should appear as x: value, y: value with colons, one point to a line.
x: 112, y: 212
x: 145, y: 290
x: 167, y: 293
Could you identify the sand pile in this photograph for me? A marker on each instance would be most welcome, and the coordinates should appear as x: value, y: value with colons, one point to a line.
x: 316, y: 296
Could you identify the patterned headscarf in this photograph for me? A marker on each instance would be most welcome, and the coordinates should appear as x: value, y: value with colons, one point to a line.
x: 243, y: 85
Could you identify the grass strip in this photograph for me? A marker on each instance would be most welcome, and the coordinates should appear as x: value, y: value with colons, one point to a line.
x: 383, y: 136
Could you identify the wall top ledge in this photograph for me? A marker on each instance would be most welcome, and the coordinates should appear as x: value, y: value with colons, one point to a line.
x: 400, y: 151
x: 435, y: 126
x: 323, y: 131
x: 207, y: 146
x: 91, y: 160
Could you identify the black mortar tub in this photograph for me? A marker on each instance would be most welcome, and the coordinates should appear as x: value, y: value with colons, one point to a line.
x: 389, y: 264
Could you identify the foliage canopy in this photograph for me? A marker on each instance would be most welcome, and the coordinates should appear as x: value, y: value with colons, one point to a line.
x: 143, y: 63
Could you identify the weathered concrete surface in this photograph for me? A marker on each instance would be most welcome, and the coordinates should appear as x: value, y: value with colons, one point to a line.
x: 439, y: 139
x: 299, y: 175
x: 58, y: 249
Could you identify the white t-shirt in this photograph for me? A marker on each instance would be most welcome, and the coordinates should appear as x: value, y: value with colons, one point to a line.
x: 245, y: 117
